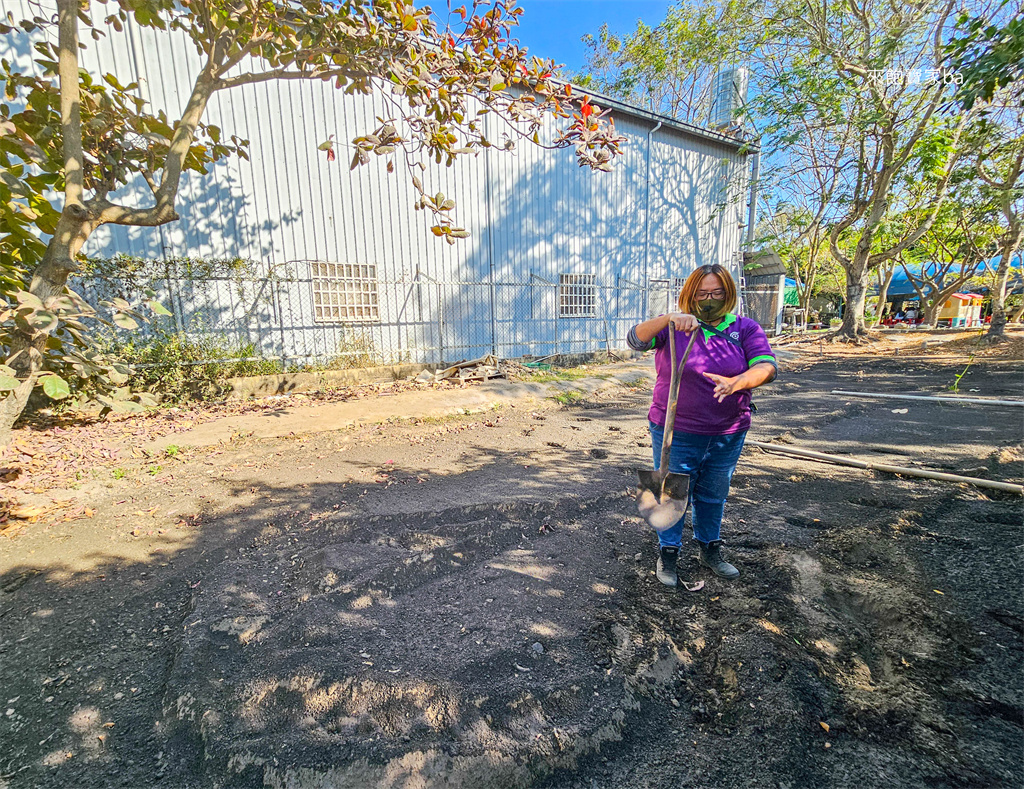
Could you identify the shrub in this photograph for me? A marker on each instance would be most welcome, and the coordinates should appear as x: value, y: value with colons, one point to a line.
x: 179, y: 368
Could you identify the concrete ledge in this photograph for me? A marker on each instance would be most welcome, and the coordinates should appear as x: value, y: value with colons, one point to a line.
x: 288, y: 383
x: 302, y: 416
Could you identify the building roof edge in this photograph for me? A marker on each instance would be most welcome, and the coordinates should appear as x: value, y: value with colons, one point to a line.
x: 742, y: 145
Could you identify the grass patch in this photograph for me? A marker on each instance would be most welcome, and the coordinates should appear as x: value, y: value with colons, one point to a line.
x: 569, y: 397
x: 559, y: 374
x: 637, y: 384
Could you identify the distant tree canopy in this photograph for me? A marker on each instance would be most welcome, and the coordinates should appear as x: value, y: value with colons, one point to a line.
x: 864, y: 112
x: 670, y: 67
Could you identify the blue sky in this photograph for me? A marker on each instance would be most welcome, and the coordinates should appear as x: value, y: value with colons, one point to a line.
x: 553, y: 28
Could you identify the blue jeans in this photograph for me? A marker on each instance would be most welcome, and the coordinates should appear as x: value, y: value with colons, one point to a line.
x: 710, y: 461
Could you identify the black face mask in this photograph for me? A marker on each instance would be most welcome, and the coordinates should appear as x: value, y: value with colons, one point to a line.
x: 710, y: 310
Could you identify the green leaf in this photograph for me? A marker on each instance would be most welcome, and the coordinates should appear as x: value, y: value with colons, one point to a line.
x: 124, y: 321
x: 29, y: 300
x: 116, y: 377
x: 55, y: 387
x: 159, y: 308
x: 7, y: 383
x: 43, y: 320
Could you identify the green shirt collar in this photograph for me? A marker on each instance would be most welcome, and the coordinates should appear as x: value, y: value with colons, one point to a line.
x: 727, y: 321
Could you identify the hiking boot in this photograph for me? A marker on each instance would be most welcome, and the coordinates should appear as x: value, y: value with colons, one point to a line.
x: 667, y: 565
x: 711, y: 557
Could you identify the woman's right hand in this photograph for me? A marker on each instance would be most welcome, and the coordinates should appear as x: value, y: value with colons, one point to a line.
x: 682, y: 321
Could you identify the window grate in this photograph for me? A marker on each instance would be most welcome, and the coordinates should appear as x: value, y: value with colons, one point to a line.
x: 344, y: 293
x: 660, y: 298
x: 577, y: 295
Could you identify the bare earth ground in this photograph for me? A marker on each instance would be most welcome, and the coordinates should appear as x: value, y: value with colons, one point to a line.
x: 468, y: 601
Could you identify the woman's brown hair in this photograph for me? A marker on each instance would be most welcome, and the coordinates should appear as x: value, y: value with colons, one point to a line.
x: 688, y: 295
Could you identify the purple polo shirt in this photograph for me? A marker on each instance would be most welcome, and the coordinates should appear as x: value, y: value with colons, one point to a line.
x: 698, y: 411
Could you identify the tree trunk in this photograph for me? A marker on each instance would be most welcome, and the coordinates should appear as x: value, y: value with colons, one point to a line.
x: 11, y: 407
x: 883, y: 291
x: 48, y: 282
x: 930, y: 318
x: 996, y: 329
x: 853, y: 326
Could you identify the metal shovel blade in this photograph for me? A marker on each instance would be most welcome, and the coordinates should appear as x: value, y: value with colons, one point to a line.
x: 662, y: 501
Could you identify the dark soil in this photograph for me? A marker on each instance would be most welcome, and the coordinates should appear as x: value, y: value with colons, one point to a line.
x: 470, y: 602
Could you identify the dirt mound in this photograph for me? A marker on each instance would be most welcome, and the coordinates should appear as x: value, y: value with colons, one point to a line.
x: 386, y: 649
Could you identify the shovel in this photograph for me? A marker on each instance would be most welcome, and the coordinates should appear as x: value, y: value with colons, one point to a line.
x: 662, y: 496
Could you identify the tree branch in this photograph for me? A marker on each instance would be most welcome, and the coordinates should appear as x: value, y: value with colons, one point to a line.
x: 107, y: 213
x: 253, y: 78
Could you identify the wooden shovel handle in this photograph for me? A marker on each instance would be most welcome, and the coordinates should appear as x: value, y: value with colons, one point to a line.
x: 673, y: 396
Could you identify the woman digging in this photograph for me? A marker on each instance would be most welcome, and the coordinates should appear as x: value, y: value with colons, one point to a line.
x: 729, y: 357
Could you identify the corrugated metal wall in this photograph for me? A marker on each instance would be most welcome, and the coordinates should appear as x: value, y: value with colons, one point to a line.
x: 533, y: 214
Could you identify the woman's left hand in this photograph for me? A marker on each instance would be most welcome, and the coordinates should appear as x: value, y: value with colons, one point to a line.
x: 724, y: 386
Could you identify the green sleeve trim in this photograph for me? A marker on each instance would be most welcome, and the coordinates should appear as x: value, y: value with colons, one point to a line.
x: 757, y: 359
x: 654, y: 341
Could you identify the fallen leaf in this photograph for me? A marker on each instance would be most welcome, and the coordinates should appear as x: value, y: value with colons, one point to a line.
x: 938, y: 592
x: 29, y: 512
x: 694, y: 587
x: 823, y: 725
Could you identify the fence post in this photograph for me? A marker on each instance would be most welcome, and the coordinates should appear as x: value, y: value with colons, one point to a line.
x: 170, y: 295
x: 279, y: 311
x: 494, y: 317
x: 440, y: 324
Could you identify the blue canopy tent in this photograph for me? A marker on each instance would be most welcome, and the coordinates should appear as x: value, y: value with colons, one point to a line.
x: 790, y: 298
x: 902, y: 287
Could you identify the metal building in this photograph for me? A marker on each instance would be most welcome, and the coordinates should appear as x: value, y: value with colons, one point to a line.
x: 560, y: 260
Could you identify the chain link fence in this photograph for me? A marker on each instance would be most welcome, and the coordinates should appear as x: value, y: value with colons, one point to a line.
x: 336, y: 319
x: 344, y: 316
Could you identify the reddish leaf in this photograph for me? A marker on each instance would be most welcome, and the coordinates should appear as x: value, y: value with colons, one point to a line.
x: 331, y: 155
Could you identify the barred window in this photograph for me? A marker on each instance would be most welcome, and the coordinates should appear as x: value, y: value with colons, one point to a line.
x: 344, y: 293
x: 660, y: 299
x: 577, y: 295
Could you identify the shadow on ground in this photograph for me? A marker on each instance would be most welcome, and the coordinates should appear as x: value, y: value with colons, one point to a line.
x: 493, y: 626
